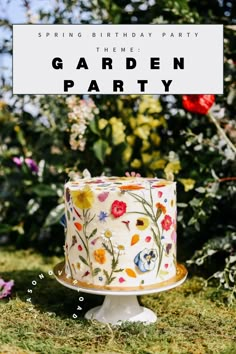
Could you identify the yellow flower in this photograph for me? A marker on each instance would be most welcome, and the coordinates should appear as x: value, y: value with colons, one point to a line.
x: 118, y: 135
x: 146, y: 158
x: 145, y: 145
x: 155, y: 139
x: 82, y: 198
x: 130, y: 139
x: 135, y: 163
x: 141, y: 119
x: 172, y: 168
x: 142, y: 223
x: 108, y: 150
x: 142, y: 132
x: 150, y: 104
x: 2, y: 105
x: 154, y: 123
x: 100, y: 255
x: 156, y: 165
x: 133, y: 122
x: 17, y: 128
x: 127, y: 153
x: 188, y: 183
x: 102, y: 123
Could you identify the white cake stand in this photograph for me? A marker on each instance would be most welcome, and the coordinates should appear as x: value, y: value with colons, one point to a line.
x: 121, y: 305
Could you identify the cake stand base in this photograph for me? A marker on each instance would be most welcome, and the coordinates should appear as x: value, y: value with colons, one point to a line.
x: 121, y: 304
x: 117, y: 309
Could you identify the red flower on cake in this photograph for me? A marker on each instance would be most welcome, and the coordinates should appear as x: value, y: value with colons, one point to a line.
x: 166, y: 222
x: 198, y: 103
x: 118, y: 208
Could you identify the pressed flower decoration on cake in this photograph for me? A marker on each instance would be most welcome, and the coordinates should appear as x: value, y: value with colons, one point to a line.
x: 118, y: 231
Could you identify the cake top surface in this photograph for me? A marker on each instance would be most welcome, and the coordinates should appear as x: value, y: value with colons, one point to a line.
x: 118, y: 183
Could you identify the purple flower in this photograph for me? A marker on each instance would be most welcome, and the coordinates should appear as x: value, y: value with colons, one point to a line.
x: 32, y: 165
x: 146, y: 259
x: 18, y: 161
x: 5, y: 288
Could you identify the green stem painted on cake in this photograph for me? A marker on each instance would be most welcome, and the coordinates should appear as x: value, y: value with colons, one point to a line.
x: 86, y: 239
x: 149, y: 211
x: 114, y: 263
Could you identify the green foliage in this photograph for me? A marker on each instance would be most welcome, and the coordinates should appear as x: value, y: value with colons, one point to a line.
x: 190, y: 320
x: 150, y: 134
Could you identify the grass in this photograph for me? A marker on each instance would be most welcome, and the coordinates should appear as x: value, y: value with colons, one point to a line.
x: 191, y: 320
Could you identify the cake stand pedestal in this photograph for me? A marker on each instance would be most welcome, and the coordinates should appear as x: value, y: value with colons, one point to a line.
x: 121, y: 305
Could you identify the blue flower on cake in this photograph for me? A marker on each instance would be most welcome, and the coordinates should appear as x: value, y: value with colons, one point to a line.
x: 146, y: 259
x: 102, y: 216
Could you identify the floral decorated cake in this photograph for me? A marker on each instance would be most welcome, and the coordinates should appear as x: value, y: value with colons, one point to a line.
x: 120, y: 232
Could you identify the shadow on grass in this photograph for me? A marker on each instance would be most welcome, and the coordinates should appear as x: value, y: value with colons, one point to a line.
x: 47, y: 295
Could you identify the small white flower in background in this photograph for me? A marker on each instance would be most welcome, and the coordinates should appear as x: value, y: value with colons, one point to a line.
x: 86, y: 173
x: 82, y: 112
x: 73, y: 176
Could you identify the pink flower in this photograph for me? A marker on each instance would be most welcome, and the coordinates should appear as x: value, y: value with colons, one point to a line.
x: 5, y: 288
x: 173, y: 236
x: 29, y: 162
x: 103, y: 196
x: 132, y: 174
x: 18, y: 161
x: 166, y: 222
x: 148, y: 239
x: 121, y: 280
x: 32, y: 165
x: 118, y: 208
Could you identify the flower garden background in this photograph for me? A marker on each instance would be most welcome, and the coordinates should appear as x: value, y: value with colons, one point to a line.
x: 45, y: 140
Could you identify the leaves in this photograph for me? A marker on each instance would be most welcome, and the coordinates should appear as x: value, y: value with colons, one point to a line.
x: 107, y: 248
x: 100, y: 147
x: 109, y: 279
x: 44, y: 190
x: 96, y: 271
x: 55, y: 215
x: 114, y: 263
x: 83, y: 260
x: 5, y: 228
x: 93, y: 233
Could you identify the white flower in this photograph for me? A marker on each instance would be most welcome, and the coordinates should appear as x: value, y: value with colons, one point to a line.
x: 119, y: 249
x: 107, y: 234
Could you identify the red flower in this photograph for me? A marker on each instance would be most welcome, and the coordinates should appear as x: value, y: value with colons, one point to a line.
x: 166, y: 222
x: 118, y: 208
x: 198, y: 103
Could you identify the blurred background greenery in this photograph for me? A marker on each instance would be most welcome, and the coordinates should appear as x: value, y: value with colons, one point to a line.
x: 44, y: 138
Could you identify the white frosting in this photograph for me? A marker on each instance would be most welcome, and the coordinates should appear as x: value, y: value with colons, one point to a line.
x: 121, y: 232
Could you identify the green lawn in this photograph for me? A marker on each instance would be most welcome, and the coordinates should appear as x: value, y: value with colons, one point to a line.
x: 190, y: 320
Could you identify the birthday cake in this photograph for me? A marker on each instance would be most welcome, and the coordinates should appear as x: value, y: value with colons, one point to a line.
x: 120, y: 232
